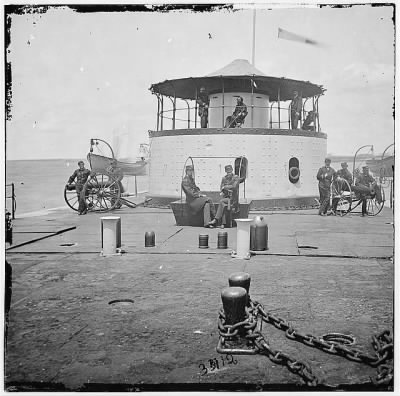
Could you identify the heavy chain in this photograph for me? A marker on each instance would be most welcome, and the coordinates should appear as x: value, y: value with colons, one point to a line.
x: 256, y: 340
x: 381, y: 343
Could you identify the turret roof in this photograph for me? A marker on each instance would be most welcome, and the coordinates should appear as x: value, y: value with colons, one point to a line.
x: 238, y: 67
x: 238, y: 76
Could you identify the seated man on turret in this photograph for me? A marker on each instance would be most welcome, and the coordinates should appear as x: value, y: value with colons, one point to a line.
x: 196, y: 201
x: 238, y: 116
x: 230, y: 192
x: 309, y: 122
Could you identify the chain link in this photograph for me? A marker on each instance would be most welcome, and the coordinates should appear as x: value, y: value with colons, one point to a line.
x: 381, y: 343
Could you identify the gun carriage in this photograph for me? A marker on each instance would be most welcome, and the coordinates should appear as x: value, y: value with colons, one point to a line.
x: 103, y: 189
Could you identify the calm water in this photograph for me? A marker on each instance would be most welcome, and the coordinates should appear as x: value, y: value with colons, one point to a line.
x: 39, y: 184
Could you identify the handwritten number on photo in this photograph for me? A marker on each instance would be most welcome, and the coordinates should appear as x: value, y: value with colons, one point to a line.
x: 214, y: 364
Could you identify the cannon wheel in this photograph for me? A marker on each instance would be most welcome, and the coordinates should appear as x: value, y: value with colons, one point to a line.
x: 373, y: 206
x: 102, y: 192
x: 70, y: 197
x: 341, y: 190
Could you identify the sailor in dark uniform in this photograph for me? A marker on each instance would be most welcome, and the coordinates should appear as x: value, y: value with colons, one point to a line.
x: 324, y: 176
x: 309, y: 122
x: 344, y: 173
x: 203, y: 102
x: 341, y: 174
x: 238, y: 116
x: 295, y: 109
x: 81, y: 175
x: 197, y: 202
x: 230, y: 192
x: 365, y: 185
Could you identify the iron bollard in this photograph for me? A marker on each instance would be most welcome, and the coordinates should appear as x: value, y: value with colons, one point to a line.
x: 149, y: 239
x: 234, y: 302
x: 240, y: 279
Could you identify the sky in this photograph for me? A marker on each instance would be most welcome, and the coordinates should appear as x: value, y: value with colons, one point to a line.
x: 77, y: 76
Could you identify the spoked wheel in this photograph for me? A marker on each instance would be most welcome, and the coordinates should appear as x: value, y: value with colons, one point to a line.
x: 376, y: 203
x: 102, y: 192
x: 70, y: 197
x: 341, y: 196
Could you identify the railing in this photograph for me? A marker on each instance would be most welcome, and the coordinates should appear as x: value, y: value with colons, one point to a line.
x: 187, y: 117
x: 13, y: 200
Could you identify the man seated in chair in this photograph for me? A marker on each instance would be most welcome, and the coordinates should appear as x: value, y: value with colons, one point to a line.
x: 196, y: 201
x: 366, y: 186
x: 238, y: 116
x: 230, y: 193
x: 309, y: 122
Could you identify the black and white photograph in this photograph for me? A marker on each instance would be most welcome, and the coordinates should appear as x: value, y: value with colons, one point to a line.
x: 199, y: 197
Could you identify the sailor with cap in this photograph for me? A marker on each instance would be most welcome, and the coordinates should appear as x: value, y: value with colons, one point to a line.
x: 295, y: 109
x: 340, y: 175
x: 365, y: 185
x: 344, y: 173
x: 203, y: 101
x: 230, y: 192
x: 238, y: 116
x: 197, y: 202
x: 325, y: 177
x: 81, y: 175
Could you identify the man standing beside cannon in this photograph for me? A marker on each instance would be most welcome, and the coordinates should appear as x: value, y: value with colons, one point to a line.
x: 81, y: 175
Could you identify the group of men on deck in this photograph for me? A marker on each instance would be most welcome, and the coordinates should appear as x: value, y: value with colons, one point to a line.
x: 364, y: 186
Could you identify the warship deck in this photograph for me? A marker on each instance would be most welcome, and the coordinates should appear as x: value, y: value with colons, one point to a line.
x: 322, y: 274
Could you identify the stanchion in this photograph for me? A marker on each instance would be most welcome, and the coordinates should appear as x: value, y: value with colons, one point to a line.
x: 222, y: 242
x: 111, y: 236
x: 203, y: 241
x: 243, y: 239
x: 150, y: 239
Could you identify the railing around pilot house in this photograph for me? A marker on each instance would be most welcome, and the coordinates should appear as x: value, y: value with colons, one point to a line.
x: 279, y: 116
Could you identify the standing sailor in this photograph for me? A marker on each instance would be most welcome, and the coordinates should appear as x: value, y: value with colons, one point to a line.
x: 81, y: 175
x: 324, y: 176
x: 203, y: 102
x: 295, y: 109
